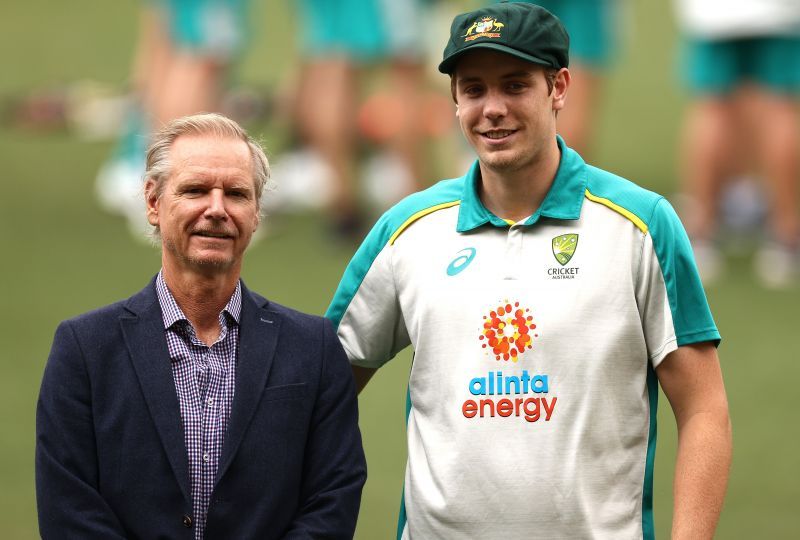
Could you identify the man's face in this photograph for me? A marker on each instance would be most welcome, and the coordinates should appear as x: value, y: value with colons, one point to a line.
x: 207, y: 211
x: 505, y: 108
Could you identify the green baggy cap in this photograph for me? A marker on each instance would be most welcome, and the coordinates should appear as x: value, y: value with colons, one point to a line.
x: 520, y: 29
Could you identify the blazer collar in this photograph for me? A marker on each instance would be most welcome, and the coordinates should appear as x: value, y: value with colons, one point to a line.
x: 258, y: 339
x: 143, y: 329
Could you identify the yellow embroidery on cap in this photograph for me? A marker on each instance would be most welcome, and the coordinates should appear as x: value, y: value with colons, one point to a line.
x: 485, y: 27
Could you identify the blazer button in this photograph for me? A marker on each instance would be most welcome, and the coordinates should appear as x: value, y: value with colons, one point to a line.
x: 187, y: 521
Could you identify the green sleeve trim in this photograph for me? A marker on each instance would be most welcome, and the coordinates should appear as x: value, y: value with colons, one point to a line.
x: 648, y: 524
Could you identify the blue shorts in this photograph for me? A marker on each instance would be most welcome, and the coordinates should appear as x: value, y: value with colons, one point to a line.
x: 362, y: 30
x: 591, y: 25
x: 717, y: 67
x: 213, y: 28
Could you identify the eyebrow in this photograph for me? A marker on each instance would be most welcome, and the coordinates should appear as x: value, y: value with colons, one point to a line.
x: 514, y: 75
x: 193, y: 181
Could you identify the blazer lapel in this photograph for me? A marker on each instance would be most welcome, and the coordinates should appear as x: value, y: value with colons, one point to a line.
x: 258, y: 339
x: 147, y: 344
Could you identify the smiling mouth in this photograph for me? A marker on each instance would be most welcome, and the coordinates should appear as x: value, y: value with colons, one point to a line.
x: 212, y: 234
x: 497, y: 133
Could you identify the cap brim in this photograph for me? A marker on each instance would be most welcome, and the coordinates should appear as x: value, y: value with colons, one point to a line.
x: 448, y: 64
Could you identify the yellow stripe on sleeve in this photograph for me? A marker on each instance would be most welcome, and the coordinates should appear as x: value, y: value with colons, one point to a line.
x: 620, y: 210
x: 418, y: 215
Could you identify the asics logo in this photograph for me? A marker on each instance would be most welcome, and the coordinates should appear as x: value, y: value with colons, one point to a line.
x: 461, y: 262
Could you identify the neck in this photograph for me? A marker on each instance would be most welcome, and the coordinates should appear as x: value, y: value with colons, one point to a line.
x: 516, y: 194
x: 201, y: 297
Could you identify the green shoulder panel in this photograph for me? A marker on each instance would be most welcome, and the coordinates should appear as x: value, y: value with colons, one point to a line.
x: 637, y: 201
x: 653, y: 214
x: 394, y: 221
x: 691, y: 315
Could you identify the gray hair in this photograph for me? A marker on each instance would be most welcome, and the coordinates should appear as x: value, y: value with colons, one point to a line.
x: 158, y: 165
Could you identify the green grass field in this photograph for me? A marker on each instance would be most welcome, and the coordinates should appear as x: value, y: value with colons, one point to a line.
x: 64, y: 256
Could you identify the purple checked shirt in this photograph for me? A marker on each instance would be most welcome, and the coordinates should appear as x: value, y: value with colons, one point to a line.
x: 204, y: 381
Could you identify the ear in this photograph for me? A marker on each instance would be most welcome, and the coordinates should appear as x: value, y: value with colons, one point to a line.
x: 456, y: 109
x: 152, y: 201
x: 560, y: 88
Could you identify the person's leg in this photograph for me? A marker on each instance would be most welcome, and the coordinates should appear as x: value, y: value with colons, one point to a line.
x: 777, y: 140
x: 778, y: 143
x: 777, y: 73
x: 711, y: 72
x: 204, y: 37
x: 708, y: 138
x: 119, y: 180
x: 326, y: 103
x: 190, y: 85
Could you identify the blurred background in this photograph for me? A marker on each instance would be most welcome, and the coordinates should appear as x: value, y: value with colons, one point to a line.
x: 347, y: 137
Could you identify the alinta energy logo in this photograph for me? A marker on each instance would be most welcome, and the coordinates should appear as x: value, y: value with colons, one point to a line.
x: 564, y: 246
x: 508, y: 332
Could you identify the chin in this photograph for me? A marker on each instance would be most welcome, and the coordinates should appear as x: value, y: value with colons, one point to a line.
x: 211, y: 262
x: 501, y: 162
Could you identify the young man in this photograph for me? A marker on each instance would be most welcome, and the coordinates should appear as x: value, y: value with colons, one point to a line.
x: 545, y: 300
x: 197, y: 408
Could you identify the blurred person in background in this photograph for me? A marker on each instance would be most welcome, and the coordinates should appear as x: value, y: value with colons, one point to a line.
x: 197, y: 408
x: 184, y: 50
x: 741, y: 64
x: 546, y: 300
x: 593, y: 30
x: 340, y: 40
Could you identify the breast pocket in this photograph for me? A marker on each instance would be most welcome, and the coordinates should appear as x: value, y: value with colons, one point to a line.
x: 285, y: 409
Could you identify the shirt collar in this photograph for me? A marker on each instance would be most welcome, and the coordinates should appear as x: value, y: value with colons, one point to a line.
x: 563, y: 200
x: 172, y: 313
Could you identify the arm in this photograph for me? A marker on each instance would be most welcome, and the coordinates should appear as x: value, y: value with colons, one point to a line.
x: 692, y: 381
x: 68, y: 500
x: 335, y: 467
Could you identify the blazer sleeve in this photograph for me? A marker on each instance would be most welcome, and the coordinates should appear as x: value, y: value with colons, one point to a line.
x: 69, y: 503
x: 335, y: 468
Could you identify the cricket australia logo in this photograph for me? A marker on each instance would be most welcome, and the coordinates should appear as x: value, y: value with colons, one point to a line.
x: 484, y: 27
x: 564, y: 246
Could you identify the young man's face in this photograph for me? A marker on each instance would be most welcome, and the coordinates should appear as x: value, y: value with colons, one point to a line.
x: 505, y: 108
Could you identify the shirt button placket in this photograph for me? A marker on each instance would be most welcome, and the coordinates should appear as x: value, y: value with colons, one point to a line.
x: 513, y: 252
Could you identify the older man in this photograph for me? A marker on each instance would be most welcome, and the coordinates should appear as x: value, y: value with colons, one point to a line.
x: 197, y: 408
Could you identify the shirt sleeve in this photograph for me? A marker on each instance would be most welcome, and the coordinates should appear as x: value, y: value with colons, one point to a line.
x: 671, y: 299
x: 365, y: 309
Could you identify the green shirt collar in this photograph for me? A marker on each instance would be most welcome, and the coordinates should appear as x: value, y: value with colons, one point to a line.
x: 563, y: 200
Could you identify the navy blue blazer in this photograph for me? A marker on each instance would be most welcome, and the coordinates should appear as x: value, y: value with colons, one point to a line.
x: 111, y: 460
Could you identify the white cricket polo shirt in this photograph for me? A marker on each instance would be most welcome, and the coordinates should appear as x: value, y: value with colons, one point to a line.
x: 532, y: 394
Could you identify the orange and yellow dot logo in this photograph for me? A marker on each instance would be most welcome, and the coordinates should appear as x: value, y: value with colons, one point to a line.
x: 508, y: 331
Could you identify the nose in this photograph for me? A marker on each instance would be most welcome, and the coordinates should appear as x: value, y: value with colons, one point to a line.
x: 494, y: 106
x: 216, y: 205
